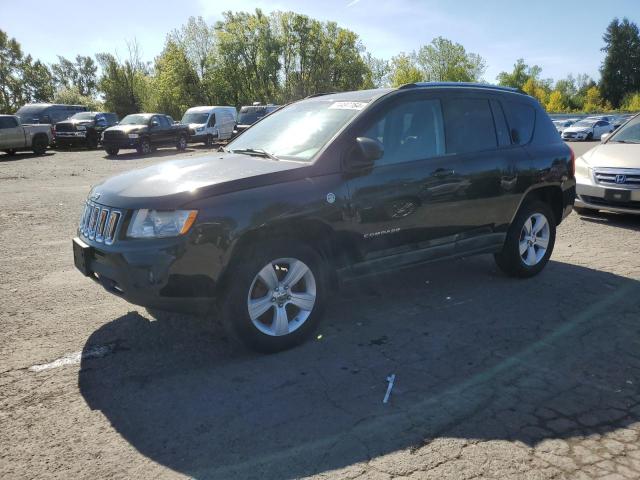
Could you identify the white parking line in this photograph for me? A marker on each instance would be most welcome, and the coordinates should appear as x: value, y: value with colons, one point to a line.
x: 74, y: 358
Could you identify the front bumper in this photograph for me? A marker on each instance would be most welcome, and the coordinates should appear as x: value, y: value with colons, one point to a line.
x: 575, y: 136
x: 71, y: 138
x: 124, y: 142
x: 162, y: 273
x: 593, y: 195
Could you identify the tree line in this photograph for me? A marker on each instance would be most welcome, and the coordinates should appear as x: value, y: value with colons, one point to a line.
x: 285, y: 56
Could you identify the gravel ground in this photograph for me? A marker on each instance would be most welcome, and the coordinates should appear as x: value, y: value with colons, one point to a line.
x: 495, y: 378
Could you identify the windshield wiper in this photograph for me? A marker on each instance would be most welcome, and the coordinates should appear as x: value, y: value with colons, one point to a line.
x: 256, y: 152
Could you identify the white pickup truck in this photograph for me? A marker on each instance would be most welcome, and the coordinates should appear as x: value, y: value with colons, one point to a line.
x: 15, y: 137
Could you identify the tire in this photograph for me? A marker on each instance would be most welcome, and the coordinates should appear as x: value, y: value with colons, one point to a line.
x: 40, y: 144
x: 515, y: 261
x: 589, y: 137
x: 112, y: 151
x: 182, y: 143
x: 262, y: 331
x: 144, y: 147
x: 11, y: 152
x: 92, y: 141
x: 208, y: 142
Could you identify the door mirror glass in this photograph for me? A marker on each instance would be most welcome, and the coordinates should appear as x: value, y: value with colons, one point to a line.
x: 155, y: 123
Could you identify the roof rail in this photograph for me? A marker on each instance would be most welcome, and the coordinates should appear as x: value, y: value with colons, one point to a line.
x: 486, y: 86
x: 320, y: 94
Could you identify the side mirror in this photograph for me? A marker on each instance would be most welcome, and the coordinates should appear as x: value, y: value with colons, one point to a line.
x: 155, y: 123
x: 367, y: 151
x: 604, y: 137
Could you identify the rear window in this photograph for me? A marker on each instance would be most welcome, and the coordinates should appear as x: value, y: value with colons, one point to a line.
x: 521, y: 118
x: 468, y: 125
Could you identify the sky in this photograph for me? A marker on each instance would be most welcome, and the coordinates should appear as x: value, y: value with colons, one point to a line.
x: 561, y: 37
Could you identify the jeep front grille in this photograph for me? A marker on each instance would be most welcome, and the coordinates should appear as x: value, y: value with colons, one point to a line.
x: 629, y: 177
x: 100, y: 223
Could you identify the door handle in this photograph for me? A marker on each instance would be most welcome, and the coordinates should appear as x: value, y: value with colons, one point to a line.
x: 442, y: 172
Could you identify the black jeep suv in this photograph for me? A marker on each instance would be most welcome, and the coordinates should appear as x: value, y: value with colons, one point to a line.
x: 83, y: 129
x: 144, y: 132
x: 327, y: 188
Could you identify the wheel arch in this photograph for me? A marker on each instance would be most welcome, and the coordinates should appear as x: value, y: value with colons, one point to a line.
x: 550, y: 194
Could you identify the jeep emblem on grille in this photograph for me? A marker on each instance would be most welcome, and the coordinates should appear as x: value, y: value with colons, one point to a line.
x: 621, y: 179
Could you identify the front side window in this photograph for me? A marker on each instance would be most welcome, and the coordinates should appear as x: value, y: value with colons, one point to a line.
x: 469, y: 125
x: 300, y: 130
x: 409, y: 131
x: 212, y: 120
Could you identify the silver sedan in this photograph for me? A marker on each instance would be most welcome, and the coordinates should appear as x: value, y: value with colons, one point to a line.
x: 608, y: 176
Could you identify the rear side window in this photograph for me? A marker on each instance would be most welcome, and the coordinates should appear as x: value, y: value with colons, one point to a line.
x: 8, y: 122
x: 521, y: 118
x: 468, y: 125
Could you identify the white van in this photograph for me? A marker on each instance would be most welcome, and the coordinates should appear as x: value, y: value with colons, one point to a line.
x: 210, y: 124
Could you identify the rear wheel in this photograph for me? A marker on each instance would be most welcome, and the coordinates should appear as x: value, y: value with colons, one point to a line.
x: 144, y: 148
x: 276, y: 297
x: 182, y: 143
x: 529, y: 241
x: 40, y: 144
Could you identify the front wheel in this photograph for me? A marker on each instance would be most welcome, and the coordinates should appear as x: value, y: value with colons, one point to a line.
x: 208, y: 142
x: 589, y: 137
x: 112, y: 151
x: 529, y: 241
x: 182, y: 143
x: 276, y: 299
x: 144, y: 148
x: 92, y: 141
x: 10, y: 152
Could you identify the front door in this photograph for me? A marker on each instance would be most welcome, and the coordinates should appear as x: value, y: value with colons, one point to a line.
x: 439, y: 179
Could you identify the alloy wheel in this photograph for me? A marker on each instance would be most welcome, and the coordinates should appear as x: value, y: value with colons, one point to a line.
x: 282, y: 296
x: 534, y: 239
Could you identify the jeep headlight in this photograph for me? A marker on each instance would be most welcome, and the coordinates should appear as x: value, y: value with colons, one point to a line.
x: 133, y: 135
x: 160, y: 223
x: 200, y: 129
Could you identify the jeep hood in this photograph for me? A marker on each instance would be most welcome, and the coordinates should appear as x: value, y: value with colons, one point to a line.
x: 126, y: 128
x: 613, y: 155
x: 169, y: 185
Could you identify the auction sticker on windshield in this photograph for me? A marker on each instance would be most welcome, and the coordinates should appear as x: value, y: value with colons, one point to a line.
x: 348, y: 105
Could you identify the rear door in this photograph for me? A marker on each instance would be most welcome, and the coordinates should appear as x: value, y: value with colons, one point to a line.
x: 11, y: 133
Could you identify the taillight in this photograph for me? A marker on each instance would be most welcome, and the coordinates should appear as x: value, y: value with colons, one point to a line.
x: 572, y: 164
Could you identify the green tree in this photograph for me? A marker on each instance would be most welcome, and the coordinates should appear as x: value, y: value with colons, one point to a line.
x: 620, y: 70
x: 73, y: 96
x: 377, y: 71
x: 536, y: 89
x: 10, y: 82
x: 519, y: 75
x: 125, y: 84
x: 403, y: 70
x: 80, y: 74
x: 442, y: 60
x: 175, y: 85
x: 632, y: 102
x: 37, y: 81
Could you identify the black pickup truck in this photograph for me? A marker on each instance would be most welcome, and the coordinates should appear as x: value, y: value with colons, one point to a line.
x: 83, y: 129
x: 385, y: 179
x: 145, y: 132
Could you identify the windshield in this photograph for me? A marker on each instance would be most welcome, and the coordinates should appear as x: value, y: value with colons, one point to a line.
x: 629, y: 132
x: 83, y: 116
x: 195, y: 118
x: 585, y: 123
x: 298, y: 131
x: 137, y: 119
